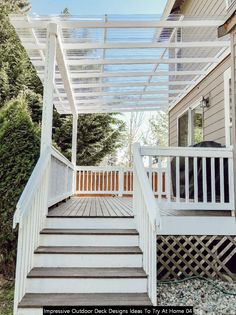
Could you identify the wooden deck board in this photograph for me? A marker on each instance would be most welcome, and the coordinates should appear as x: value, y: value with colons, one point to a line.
x: 115, y: 273
x: 78, y: 299
x: 116, y: 207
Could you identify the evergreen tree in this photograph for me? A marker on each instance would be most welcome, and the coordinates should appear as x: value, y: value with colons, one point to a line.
x: 19, y: 151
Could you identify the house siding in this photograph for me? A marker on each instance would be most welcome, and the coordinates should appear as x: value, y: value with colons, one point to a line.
x: 204, y: 8
x: 211, y: 86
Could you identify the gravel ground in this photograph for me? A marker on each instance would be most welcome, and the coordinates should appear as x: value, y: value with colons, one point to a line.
x: 201, y: 295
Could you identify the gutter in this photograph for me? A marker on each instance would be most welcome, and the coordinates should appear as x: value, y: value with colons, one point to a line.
x: 229, y: 24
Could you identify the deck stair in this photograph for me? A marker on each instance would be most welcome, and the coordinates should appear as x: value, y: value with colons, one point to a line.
x: 86, y: 261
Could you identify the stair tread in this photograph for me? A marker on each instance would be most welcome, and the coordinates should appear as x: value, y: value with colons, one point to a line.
x: 91, y: 231
x: 67, y: 272
x: 35, y: 300
x: 51, y: 216
x: 88, y: 250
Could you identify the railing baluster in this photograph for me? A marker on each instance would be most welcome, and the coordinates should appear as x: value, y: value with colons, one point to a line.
x: 186, y: 179
x: 177, y: 180
x: 204, y: 180
x: 195, y: 179
x: 159, y: 181
x: 213, y: 184
x: 222, y: 188
x: 168, y: 180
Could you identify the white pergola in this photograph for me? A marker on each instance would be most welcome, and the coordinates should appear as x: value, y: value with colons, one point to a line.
x: 118, y: 63
x: 121, y: 63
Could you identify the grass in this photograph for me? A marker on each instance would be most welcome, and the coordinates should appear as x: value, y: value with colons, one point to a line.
x: 6, y: 297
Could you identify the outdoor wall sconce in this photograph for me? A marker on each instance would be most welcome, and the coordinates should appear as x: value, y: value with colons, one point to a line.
x: 205, y: 102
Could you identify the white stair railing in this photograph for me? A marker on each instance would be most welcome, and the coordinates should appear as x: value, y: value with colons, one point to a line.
x: 51, y: 169
x: 147, y: 216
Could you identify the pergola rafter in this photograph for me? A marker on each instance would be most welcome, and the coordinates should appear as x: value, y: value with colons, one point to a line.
x: 116, y: 63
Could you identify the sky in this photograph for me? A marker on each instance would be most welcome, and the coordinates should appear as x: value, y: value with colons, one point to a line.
x: 101, y: 7
x: 98, y: 7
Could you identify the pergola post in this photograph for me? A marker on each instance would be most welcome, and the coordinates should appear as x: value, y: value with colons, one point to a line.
x: 74, y: 148
x: 50, y: 63
x: 233, y: 88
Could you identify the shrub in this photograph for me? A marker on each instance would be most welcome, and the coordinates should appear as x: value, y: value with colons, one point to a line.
x: 19, y: 150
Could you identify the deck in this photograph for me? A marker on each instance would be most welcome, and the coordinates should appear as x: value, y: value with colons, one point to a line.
x: 118, y: 207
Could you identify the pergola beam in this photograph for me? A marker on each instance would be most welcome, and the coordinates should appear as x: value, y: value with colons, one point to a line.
x: 128, y: 84
x: 82, y: 46
x: 61, y: 62
x: 71, y: 24
x: 78, y: 75
x: 135, y: 93
x: 113, y: 101
x: 83, y: 62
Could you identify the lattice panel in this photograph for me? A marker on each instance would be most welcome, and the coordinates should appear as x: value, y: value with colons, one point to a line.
x: 184, y: 256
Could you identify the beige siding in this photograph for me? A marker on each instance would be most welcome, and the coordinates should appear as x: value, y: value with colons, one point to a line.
x: 214, y: 122
x: 204, y: 7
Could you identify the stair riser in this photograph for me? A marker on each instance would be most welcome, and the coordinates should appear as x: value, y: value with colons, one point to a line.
x: 89, y: 260
x: 46, y: 285
x: 90, y: 223
x: 88, y: 240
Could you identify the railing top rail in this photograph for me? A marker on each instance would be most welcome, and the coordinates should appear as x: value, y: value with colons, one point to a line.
x: 153, y: 209
x: 34, y: 180
x: 186, y: 152
x: 58, y: 155
x: 31, y: 187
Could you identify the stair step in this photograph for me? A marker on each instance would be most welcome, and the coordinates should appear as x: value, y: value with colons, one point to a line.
x: 88, y: 256
x: 88, y: 250
x: 86, y: 280
x: 87, y: 273
x: 89, y: 237
x: 90, y: 231
x: 90, y: 223
x: 34, y: 300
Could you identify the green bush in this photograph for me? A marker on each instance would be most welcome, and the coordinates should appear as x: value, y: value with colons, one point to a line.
x: 19, y: 150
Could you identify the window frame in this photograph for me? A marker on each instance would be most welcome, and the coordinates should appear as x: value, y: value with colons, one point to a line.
x: 190, y: 122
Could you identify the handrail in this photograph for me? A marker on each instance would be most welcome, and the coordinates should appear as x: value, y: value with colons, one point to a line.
x: 50, y: 182
x: 31, y: 186
x: 147, y: 215
x: 57, y: 154
x: 154, y: 211
x: 186, y: 151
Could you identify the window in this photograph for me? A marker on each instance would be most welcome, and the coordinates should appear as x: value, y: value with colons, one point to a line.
x: 190, y: 126
x: 183, y: 130
x: 228, y: 107
x: 197, y: 123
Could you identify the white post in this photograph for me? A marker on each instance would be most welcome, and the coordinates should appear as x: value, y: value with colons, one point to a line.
x: 233, y: 86
x: 121, y: 182
x: 49, y: 76
x: 74, y: 148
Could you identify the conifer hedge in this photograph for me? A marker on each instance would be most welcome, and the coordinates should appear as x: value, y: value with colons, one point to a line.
x: 19, y: 151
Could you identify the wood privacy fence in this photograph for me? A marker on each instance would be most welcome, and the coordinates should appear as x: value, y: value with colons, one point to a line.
x: 109, y: 180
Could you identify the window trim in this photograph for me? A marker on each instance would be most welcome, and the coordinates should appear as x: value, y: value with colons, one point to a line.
x: 190, y: 121
x: 228, y: 124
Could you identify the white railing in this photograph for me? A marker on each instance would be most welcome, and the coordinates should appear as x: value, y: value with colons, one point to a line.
x: 51, y: 169
x: 195, y: 178
x: 115, y: 180
x: 61, y: 178
x: 147, y: 216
